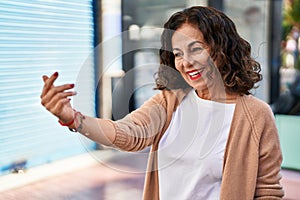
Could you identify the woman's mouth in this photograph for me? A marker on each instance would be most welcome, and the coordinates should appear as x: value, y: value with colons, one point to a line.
x: 194, y: 74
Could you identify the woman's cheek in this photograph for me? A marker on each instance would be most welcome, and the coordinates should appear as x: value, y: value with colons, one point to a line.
x: 177, y: 65
x: 202, y: 58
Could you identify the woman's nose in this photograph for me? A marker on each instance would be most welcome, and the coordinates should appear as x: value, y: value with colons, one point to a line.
x: 187, y: 62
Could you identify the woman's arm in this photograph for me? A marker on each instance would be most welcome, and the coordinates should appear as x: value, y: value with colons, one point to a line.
x: 270, y: 158
x: 132, y: 133
x: 56, y: 99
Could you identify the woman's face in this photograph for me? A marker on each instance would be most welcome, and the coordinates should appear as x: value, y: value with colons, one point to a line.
x: 192, y: 56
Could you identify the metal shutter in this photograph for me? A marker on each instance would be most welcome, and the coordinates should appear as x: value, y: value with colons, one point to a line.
x: 40, y: 37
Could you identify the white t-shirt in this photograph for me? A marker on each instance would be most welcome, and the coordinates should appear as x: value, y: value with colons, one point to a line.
x: 190, y: 154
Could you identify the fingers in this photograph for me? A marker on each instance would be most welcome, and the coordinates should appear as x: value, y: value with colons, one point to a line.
x: 55, y: 94
x: 56, y: 98
x: 45, y: 78
x: 55, y: 90
x: 48, y: 83
x: 57, y: 103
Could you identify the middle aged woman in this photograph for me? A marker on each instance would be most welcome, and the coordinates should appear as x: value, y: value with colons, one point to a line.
x: 209, y: 137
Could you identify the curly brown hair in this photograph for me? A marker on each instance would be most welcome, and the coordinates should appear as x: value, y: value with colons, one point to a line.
x: 232, y: 53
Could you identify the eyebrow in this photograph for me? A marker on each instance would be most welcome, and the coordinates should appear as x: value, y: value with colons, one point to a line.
x: 190, y: 44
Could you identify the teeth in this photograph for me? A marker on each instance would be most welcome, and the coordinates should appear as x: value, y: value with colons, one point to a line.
x: 194, y: 73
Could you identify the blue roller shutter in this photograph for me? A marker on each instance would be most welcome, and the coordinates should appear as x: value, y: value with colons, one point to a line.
x: 40, y: 37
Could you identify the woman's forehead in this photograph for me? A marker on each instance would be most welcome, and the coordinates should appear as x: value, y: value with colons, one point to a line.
x: 187, y: 31
x: 186, y: 34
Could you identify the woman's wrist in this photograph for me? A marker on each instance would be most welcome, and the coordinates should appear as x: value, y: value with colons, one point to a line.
x: 71, y: 123
x: 77, y: 125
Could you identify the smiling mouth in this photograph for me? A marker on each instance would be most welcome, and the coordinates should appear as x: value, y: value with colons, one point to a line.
x: 194, y: 74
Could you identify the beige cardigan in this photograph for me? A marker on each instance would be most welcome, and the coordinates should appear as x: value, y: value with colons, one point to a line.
x: 252, y: 160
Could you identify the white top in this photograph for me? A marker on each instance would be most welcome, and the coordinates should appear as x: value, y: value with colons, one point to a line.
x: 191, y: 152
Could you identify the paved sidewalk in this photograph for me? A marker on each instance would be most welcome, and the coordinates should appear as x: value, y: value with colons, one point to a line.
x: 121, y: 178
x: 291, y: 184
x: 93, y: 183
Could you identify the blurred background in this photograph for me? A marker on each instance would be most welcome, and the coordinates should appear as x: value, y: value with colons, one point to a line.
x: 109, y: 49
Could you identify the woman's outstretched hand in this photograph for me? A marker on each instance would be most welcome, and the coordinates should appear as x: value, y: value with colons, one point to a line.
x: 56, y: 98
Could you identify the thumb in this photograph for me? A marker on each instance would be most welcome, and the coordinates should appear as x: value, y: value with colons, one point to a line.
x: 45, y: 78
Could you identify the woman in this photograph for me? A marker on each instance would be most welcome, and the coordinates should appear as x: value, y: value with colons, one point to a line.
x: 209, y: 137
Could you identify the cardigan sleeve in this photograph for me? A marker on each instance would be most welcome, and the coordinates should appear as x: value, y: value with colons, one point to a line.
x: 138, y: 129
x: 270, y: 158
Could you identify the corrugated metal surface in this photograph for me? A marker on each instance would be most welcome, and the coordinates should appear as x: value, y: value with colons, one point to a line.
x: 40, y: 37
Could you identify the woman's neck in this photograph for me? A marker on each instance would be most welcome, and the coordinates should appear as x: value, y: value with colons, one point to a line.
x: 226, y: 97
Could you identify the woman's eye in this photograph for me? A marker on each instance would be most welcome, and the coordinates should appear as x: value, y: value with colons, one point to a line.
x: 177, y: 54
x: 197, y: 49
